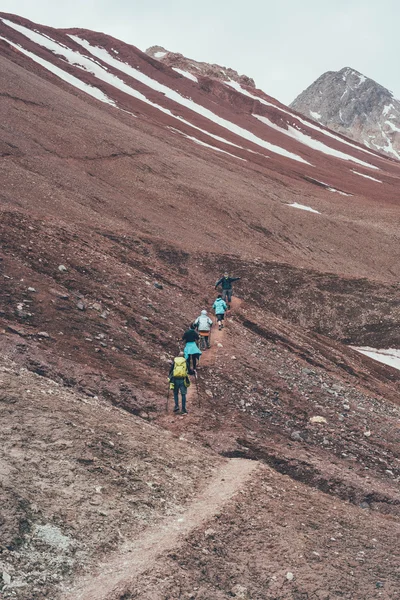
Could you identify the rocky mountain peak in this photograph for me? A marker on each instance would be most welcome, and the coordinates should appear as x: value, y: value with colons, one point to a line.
x: 180, y: 63
x: 356, y: 106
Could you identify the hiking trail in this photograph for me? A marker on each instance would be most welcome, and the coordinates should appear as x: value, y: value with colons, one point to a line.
x: 209, y: 356
x: 115, y: 577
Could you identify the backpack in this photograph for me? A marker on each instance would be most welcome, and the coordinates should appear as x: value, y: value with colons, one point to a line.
x: 180, y: 368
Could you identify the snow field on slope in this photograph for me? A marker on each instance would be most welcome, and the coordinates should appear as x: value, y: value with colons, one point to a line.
x: 311, y: 142
x: 88, y: 64
x: 104, y: 56
x: 239, y: 88
x: 74, y: 81
x: 389, y: 357
x: 304, y: 207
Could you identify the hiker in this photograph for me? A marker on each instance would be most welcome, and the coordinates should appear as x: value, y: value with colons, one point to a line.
x: 226, y: 283
x: 203, y: 324
x: 179, y: 381
x: 191, y: 348
x: 220, y: 307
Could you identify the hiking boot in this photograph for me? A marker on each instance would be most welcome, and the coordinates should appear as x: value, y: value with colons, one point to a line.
x: 176, y: 409
x: 184, y: 412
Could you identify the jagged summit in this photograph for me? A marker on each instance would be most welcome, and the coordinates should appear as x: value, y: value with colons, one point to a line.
x: 356, y: 106
x: 184, y: 65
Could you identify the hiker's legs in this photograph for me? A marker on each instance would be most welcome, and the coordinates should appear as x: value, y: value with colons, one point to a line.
x: 229, y: 296
x: 194, y: 359
x: 224, y: 294
x: 176, y: 391
x: 183, y: 401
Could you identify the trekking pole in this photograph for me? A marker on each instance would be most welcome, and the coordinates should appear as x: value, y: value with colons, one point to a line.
x: 166, y: 406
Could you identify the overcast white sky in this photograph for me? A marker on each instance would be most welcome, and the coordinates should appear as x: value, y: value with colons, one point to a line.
x: 283, y: 44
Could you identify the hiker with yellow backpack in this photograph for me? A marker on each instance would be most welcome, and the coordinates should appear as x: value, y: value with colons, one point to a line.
x: 179, y: 381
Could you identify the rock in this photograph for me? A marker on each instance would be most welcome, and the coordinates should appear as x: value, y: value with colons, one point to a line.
x: 364, y: 505
x: 346, y: 407
x: 62, y: 269
x: 209, y: 393
x: 240, y: 591
x: 31, y: 289
x: 367, y: 433
x: 209, y: 533
x: 81, y: 305
x: 233, y: 357
x: 6, y: 578
x: 158, y: 286
x: 104, y: 314
x: 289, y: 576
x: 43, y: 334
x: 296, y: 436
x: 219, y: 345
x: 318, y: 419
x: 96, y: 306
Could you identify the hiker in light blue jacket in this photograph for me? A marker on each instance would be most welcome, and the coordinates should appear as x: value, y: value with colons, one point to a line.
x: 220, y: 308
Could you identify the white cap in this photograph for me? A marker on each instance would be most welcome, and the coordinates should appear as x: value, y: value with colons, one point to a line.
x: 203, y: 312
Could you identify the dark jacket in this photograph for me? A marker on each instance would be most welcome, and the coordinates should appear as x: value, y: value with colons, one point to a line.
x: 226, y: 282
x: 190, y: 336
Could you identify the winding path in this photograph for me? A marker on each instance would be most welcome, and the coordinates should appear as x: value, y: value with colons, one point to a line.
x: 115, y: 577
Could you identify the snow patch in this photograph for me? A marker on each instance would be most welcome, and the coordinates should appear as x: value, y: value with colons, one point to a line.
x: 304, y: 207
x: 367, y: 176
x: 160, y: 54
x: 186, y: 74
x: 315, y: 115
x: 310, y: 142
x: 201, y: 143
x: 392, y: 126
x: 389, y: 357
x: 362, y: 78
x: 387, y: 109
x: 67, y: 77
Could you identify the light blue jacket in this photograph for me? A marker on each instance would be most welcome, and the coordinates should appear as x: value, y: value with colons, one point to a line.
x: 219, y: 306
x: 191, y: 348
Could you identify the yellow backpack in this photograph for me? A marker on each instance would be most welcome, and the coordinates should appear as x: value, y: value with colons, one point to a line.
x: 180, y: 367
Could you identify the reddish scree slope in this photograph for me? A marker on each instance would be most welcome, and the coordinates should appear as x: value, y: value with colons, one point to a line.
x: 115, y: 190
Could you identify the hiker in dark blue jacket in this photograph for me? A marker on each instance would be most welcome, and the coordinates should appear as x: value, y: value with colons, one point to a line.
x: 226, y: 283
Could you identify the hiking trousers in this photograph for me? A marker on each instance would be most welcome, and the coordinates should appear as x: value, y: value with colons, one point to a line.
x: 227, y: 295
x: 195, y: 358
x: 179, y: 385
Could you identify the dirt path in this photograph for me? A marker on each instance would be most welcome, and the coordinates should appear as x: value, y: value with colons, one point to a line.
x: 115, y: 577
x: 209, y: 357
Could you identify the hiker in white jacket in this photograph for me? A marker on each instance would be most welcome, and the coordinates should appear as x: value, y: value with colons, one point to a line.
x: 203, y: 324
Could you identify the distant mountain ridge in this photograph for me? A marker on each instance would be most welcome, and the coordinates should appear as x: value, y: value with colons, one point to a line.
x: 356, y: 106
x: 184, y: 65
